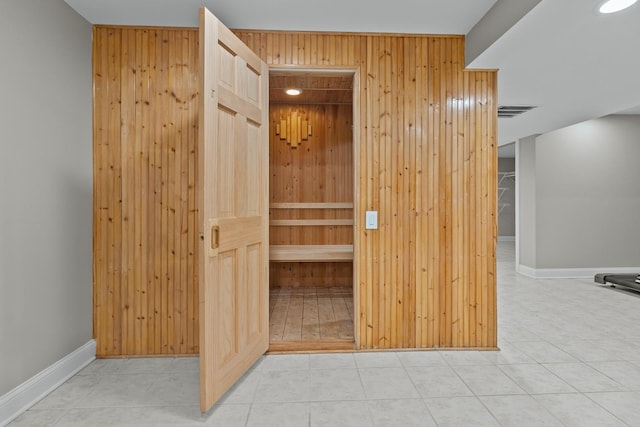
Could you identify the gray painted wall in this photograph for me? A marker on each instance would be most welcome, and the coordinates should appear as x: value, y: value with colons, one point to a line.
x: 45, y: 186
x: 526, y: 182
x: 507, y: 202
x: 588, y: 195
x: 497, y: 21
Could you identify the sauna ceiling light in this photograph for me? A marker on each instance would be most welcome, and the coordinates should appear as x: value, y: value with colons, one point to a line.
x: 611, y: 6
x: 293, y: 92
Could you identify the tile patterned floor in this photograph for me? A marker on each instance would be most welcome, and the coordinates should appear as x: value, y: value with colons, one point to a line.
x: 570, y: 356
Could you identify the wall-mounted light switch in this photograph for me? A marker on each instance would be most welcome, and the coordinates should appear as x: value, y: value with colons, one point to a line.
x: 371, y: 222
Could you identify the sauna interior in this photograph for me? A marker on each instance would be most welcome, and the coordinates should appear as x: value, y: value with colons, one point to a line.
x: 311, y: 193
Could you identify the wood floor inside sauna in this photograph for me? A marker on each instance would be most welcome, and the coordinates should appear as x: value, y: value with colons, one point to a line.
x: 316, y: 314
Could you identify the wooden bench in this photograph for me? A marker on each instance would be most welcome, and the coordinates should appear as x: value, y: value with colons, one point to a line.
x: 310, y: 253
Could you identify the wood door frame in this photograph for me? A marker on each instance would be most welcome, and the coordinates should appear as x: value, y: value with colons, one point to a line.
x: 355, y: 72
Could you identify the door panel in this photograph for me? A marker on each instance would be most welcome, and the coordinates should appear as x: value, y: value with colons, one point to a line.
x: 227, y: 318
x: 254, y: 294
x: 233, y: 189
x: 252, y: 158
x: 226, y: 163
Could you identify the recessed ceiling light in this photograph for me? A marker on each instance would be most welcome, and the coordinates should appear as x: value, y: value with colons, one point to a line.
x: 611, y: 6
x: 293, y: 92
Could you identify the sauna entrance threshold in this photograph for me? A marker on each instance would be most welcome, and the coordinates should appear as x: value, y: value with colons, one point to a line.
x: 311, y: 319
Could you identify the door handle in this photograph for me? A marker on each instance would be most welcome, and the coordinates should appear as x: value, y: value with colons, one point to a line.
x: 215, y: 237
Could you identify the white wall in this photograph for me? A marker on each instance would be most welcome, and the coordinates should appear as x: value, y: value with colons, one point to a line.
x: 588, y: 195
x: 45, y: 186
x: 526, y: 183
x: 579, y: 191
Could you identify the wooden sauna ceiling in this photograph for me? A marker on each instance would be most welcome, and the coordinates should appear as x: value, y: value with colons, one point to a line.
x: 317, y: 88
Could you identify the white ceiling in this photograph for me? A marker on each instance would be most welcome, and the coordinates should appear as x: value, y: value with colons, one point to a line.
x: 572, y: 61
x: 563, y: 56
x: 399, y: 16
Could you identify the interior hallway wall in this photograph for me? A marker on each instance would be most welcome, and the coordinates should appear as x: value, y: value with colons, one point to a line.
x: 526, y: 185
x: 45, y: 186
x: 588, y: 195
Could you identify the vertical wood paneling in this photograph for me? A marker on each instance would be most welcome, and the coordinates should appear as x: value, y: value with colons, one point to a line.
x: 319, y: 170
x: 426, y: 161
x: 145, y: 121
x: 425, y: 156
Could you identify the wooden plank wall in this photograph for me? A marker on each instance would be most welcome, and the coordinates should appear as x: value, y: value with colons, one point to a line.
x: 145, y: 229
x: 319, y: 170
x: 427, y: 161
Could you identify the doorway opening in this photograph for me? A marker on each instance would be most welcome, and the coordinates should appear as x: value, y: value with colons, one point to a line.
x: 311, y: 210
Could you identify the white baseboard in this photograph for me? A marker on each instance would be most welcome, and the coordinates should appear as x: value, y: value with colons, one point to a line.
x: 572, y: 273
x: 35, y: 388
x: 506, y: 238
x: 526, y: 271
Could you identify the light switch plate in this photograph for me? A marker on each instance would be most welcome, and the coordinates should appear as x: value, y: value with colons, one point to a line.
x: 371, y: 222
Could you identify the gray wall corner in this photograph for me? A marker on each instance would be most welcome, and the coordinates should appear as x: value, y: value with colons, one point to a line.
x: 46, y: 186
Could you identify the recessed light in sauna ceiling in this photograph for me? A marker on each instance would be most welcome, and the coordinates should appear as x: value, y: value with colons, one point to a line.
x: 293, y: 92
x: 611, y: 6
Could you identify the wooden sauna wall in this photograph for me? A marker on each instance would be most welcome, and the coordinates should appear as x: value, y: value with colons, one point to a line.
x: 427, y: 161
x: 145, y: 229
x: 319, y: 170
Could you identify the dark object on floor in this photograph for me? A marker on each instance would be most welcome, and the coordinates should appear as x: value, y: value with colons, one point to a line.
x: 631, y: 281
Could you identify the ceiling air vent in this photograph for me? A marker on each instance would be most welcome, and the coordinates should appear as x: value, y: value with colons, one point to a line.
x: 508, y: 111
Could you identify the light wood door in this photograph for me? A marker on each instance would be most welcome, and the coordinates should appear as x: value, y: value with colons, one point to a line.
x: 233, y: 195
